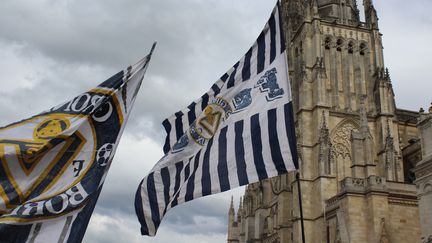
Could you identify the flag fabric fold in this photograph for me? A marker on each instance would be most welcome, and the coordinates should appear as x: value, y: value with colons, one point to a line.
x: 53, y: 165
x: 239, y: 132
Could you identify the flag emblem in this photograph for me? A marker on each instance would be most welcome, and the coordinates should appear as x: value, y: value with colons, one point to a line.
x: 48, y: 154
x: 268, y: 84
x: 53, y: 165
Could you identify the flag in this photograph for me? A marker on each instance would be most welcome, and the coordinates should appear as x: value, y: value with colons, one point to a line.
x: 53, y: 165
x: 239, y: 132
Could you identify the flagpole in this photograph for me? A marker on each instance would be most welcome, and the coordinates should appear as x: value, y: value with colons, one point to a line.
x: 301, y: 206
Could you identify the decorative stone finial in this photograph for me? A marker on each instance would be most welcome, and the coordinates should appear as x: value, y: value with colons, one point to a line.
x: 324, y: 123
x: 421, y: 111
x: 363, y: 115
x: 430, y: 109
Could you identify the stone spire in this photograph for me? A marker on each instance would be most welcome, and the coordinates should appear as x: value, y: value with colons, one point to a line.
x: 370, y: 14
x: 240, y: 210
x: 232, y: 224
x: 231, y: 209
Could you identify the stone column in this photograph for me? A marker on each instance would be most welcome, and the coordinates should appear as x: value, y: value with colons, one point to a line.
x: 423, y: 173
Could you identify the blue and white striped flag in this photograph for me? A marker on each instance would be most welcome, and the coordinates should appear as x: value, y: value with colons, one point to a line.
x: 239, y: 132
x: 53, y: 165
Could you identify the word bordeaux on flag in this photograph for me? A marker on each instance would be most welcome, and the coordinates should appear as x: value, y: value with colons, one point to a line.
x: 239, y: 132
x: 52, y: 165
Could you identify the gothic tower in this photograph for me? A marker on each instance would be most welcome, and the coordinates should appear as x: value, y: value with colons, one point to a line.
x: 351, y: 137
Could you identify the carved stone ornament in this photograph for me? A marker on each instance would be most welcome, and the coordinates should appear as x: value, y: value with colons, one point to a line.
x: 341, y: 139
x: 384, y: 237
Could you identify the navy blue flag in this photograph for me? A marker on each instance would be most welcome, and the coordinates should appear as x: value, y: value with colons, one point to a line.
x: 239, y: 132
x: 53, y: 165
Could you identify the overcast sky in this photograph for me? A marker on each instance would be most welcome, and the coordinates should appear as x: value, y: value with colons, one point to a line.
x: 52, y: 50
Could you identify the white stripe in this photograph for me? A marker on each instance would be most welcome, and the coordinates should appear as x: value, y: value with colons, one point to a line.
x: 198, y: 176
x: 267, y: 47
x: 51, y: 230
x: 182, y: 187
x: 146, y: 206
x: 173, y: 133
x: 254, y: 61
x: 238, y: 76
x: 266, y: 151
x: 172, y: 171
x: 182, y: 178
x: 231, y: 159
x: 247, y: 143
x: 159, y: 192
x: 213, y: 162
x: 283, y: 140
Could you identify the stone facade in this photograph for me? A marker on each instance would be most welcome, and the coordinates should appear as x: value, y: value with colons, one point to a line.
x: 423, y: 172
x: 356, y: 148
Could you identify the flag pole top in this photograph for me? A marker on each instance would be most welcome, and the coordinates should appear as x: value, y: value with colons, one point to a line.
x: 153, y: 47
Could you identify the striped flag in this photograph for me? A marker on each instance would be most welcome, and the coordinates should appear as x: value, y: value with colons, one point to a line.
x: 239, y: 132
x: 53, y: 165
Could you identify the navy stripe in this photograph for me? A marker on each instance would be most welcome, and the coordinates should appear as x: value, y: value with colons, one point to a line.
x: 139, y: 210
x: 261, y: 52
x: 153, y: 201
x: 290, y: 130
x: 206, y: 179
x: 272, y: 24
x: 167, y: 125
x: 215, y: 89
x: 8, y: 188
x: 224, y: 77
x: 257, y: 147
x: 274, y: 142
x: 186, y: 176
x: 231, y: 80
x: 281, y: 31
x: 240, y: 154
x: 113, y: 82
x: 190, y: 187
x: 179, y: 125
x: 179, y: 168
x: 79, y: 225
x: 191, y: 113
x: 187, y: 170
x: 15, y: 233
x: 246, y: 71
x: 205, y: 99
x: 223, y: 165
x: 166, y: 180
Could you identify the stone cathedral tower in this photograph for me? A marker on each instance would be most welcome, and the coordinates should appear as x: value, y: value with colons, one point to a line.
x: 356, y: 148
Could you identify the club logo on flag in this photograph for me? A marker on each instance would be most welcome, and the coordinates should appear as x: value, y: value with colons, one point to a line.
x: 242, y: 99
x: 268, y: 84
x: 45, y: 157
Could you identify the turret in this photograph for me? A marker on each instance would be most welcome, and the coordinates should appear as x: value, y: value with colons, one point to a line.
x: 232, y: 224
x: 370, y: 14
x: 231, y: 213
x: 340, y: 11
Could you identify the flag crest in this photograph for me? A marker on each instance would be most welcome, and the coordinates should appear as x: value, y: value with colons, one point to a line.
x: 52, y: 165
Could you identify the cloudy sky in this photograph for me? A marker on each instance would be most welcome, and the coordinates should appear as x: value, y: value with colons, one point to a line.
x: 52, y: 50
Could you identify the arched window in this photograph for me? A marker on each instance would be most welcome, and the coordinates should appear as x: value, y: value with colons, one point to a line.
x: 339, y: 44
x: 350, y: 47
x: 363, y: 49
x: 327, y: 43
